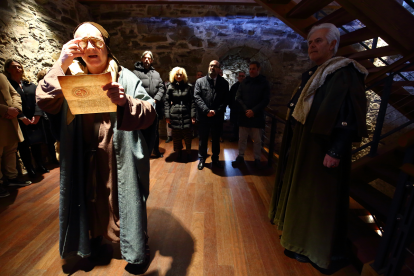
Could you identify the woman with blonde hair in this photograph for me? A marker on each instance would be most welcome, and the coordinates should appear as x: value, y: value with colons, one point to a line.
x: 180, y: 110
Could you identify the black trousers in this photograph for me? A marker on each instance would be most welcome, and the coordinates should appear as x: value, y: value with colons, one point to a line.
x: 26, y: 152
x: 204, y: 130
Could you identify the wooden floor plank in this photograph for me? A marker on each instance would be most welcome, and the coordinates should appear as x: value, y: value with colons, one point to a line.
x: 208, y: 222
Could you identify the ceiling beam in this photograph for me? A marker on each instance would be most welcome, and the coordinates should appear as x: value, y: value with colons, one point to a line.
x: 186, y: 2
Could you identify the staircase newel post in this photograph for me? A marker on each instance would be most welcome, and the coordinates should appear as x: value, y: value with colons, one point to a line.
x: 381, y: 115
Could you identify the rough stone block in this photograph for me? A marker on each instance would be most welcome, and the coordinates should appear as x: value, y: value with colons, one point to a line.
x: 68, y: 21
x: 154, y: 10
x: 154, y: 38
x: 211, y: 16
x: 196, y: 42
x: 118, y: 15
x: 197, y: 19
x: 178, y: 22
x: 182, y: 33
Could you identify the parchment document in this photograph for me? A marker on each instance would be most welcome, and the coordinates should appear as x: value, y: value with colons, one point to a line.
x: 85, y: 95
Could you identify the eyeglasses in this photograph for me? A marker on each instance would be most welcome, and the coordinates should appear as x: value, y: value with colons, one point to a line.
x: 96, y: 42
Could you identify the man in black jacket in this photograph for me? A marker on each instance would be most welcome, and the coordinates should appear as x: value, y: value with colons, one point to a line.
x: 252, y: 97
x: 153, y: 84
x: 210, y: 98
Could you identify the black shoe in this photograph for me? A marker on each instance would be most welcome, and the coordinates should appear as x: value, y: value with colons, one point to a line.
x: 15, y: 182
x: 201, y: 165
x: 3, y: 192
x: 298, y: 257
x: 179, y: 155
x: 42, y: 169
x: 169, y: 139
x: 31, y: 172
x: 221, y: 140
x: 239, y: 159
x: 257, y: 163
x: 158, y: 154
x: 217, y: 163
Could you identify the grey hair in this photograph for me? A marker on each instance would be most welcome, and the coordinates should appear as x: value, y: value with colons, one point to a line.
x: 147, y: 52
x: 333, y: 33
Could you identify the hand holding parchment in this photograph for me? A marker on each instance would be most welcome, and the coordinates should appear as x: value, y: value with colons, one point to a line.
x: 115, y: 93
x: 70, y: 51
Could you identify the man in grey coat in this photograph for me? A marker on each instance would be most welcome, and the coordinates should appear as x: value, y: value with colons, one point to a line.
x: 153, y: 84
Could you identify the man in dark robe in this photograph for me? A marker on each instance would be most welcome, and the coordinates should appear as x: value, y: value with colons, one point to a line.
x: 326, y: 114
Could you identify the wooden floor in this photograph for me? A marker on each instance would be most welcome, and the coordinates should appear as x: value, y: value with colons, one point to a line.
x: 209, y: 222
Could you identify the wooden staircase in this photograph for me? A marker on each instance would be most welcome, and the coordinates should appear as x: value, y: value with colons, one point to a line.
x: 393, y: 23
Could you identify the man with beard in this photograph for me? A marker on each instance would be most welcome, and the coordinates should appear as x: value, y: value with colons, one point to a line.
x: 153, y: 84
x: 210, y: 97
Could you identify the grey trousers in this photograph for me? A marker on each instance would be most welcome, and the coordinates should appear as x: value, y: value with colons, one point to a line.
x: 255, y: 134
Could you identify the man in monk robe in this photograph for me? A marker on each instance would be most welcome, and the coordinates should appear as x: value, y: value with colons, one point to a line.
x: 326, y: 114
x: 104, y: 181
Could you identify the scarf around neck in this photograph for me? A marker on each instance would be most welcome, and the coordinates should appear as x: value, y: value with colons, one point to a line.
x: 330, y: 66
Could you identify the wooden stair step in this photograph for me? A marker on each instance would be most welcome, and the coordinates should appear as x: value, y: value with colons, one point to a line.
x: 396, y: 66
x: 371, y: 199
x: 388, y: 19
x: 386, y: 172
x: 375, y: 53
x: 365, y: 241
x: 356, y: 36
x: 306, y: 8
x: 338, y: 18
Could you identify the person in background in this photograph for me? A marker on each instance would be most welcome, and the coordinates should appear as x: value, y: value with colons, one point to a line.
x: 327, y: 113
x: 252, y: 97
x: 169, y: 129
x: 153, y: 84
x: 199, y: 74
x: 51, y: 135
x: 180, y: 110
x: 105, y: 157
x: 210, y: 97
x: 234, y: 106
x: 11, y: 135
x: 30, y: 120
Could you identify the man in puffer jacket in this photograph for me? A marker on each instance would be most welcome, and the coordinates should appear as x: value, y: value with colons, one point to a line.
x: 153, y: 84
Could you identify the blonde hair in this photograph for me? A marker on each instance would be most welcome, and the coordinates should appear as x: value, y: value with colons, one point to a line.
x: 7, y: 65
x: 175, y: 70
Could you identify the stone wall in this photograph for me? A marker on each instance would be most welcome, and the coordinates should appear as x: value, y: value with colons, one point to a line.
x: 34, y: 31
